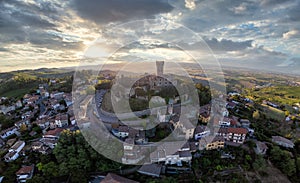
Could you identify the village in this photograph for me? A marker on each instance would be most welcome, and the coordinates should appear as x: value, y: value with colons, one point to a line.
x: 43, y: 116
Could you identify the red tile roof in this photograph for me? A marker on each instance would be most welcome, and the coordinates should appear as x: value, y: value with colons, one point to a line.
x: 25, y: 170
x: 54, y: 132
x: 237, y: 130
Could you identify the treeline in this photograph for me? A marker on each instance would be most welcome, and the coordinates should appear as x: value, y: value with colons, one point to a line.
x: 74, y: 159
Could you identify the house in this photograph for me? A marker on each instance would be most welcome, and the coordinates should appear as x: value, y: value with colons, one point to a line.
x: 11, y: 142
x: 61, y: 120
x: 140, y: 137
x: 73, y: 120
x: 204, y: 113
x: 53, y: 134
x: 211, y: 142
x: 162, y: 118
x: 54, y: 103
x: 204, y: 117
x: 132, y: 154
x: 36, y: 145
x: 57, y: 95
x: 43, y: 123
x: 171, y: 153
x: 50, y: 138
x: 32, y: 100
x: 6, y: 109
x: 222, y: 132
x: 187, y: 127
x: 153, y: 170
x: 261, y: 148
x: 245, y: 123
x: 49, y: 142
x: 52, y: 124
x: 225, y: 121
x: 230, y: 105
x: 13, y: 152
x: 201, y: 131
x: 237, y: 135
x: 40, y: 147
x: 8, y: 132
x: 18, y: 104
x: 44, y: 93
x: 283, y: 141
x: 121, y: 132
x: 25, y: 173
x: 114, y: 178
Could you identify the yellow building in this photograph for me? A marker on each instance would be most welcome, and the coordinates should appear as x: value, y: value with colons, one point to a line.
x: 211, y: 142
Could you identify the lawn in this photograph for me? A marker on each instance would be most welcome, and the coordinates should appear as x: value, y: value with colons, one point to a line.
x: 18, y: 93
x: 273, y: 113
x: 281, y: 94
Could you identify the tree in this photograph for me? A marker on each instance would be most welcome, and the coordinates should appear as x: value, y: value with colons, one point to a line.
x: 256, y: 115
x: 283, y: 160
x: 23, y: 128
x: 37, y: 179
x: 50, y: 170
x: 287, y: 113
x: 5, y: 121
x: 76, y: 158
x: 259, y: 163
x: 206, y: 162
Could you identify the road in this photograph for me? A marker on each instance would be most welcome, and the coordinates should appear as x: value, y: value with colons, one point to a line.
x: 111, y: 117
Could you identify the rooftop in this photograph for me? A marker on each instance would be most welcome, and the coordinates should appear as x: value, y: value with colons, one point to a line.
x: 282, y: 140
x: 200, y: 129
x: 237, y: 130
x: 25, y: 170
x: 151, y: 169
x: 54, y: 132
x: 17, y: 145
x: 114, y: 178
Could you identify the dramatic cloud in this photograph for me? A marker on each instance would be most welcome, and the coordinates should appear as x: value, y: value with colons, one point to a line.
x: 227, y: 45
x: 103, y: 11
x: 240, y: 33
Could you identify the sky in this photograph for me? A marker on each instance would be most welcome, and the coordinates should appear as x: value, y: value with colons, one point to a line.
x: 257, y: 34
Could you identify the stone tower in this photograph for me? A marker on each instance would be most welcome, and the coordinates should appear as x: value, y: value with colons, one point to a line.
x: 159, y: 68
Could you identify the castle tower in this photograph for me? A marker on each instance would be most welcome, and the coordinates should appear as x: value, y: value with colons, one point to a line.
x: 159, y: 68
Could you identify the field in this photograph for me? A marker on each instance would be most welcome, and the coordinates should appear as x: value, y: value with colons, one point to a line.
x: 280, y: 94
x: 273, y: 113
x: 17, y: 83
x: 17, y: 93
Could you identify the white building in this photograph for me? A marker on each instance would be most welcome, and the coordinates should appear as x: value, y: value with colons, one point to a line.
x: 8, y: 132
x: 13, y: 152
x: 201, y: 131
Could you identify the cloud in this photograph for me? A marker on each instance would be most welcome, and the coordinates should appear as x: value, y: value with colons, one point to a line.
x: 3, y: 50
x: 103, y: 11
x: 291, y: 34
x: 227, y: 45
x: 267, y: 3
x: 190, y: 4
